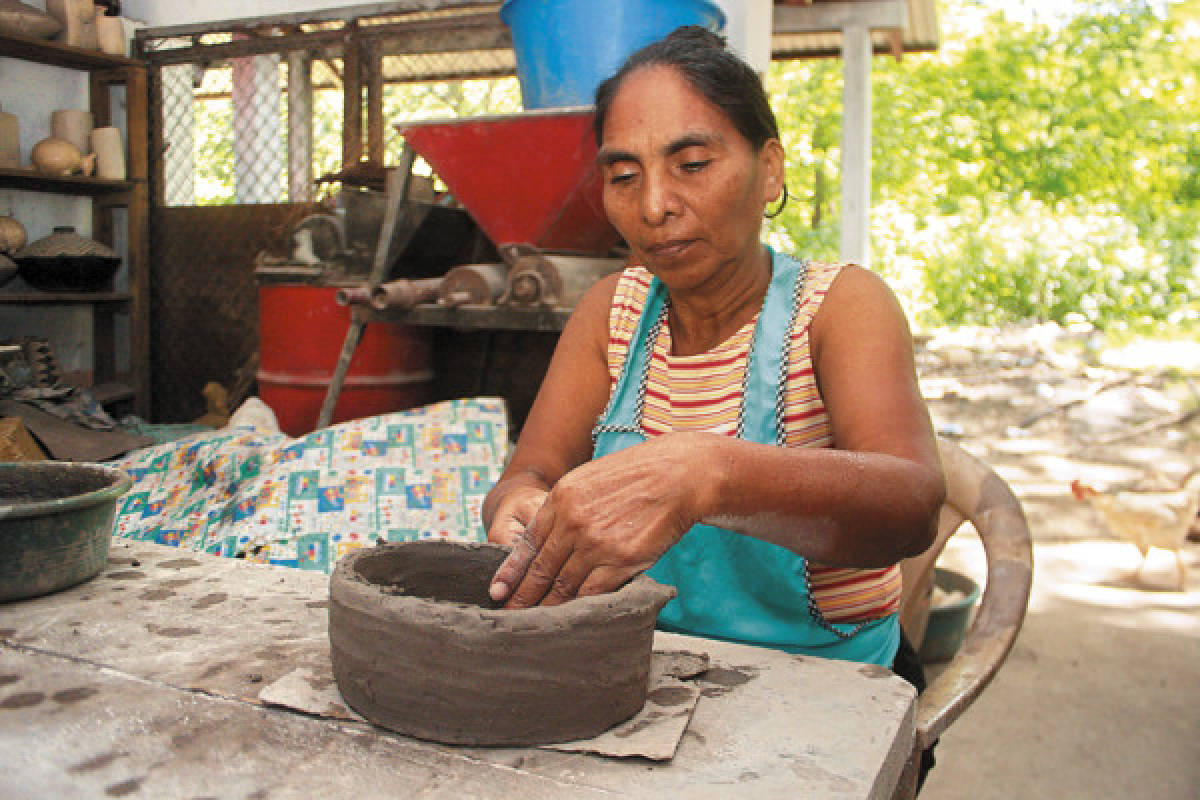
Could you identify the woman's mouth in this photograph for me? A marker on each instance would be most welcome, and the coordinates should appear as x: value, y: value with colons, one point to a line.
x: 670, y: 249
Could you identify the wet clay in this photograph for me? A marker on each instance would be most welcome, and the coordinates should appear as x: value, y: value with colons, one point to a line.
x: 418, y: 647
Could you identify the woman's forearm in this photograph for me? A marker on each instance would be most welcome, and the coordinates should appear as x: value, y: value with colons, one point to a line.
x: 836, y: 507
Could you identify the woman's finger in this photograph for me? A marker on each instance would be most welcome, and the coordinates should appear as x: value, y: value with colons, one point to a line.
x: 513, y: 570
x: 544, y: 567
x: 566, y: 584
x: 607, y: 579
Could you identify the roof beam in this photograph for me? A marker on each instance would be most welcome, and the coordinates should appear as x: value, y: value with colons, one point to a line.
x: 828, y: 17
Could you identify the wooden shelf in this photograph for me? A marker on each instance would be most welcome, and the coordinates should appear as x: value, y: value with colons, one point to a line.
x: 44, y: 51
x: 34, y: 181
x: 103, y: 72
x: 56, y: 298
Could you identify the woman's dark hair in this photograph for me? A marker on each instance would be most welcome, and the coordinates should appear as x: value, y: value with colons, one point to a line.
x: 721, y: 77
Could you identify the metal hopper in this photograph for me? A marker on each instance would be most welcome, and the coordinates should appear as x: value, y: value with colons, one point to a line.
x: 526, y: 178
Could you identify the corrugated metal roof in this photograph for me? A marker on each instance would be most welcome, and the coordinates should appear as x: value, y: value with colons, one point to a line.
x: 920, y: 35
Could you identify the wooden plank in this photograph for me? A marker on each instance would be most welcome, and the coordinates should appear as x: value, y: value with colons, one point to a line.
x: 104, y: 351
x: 137, y: 123
x: 373, y: 70
x: 439, y: 35
x: 34, y: 181
x: 100, y: 99
x: 302, y: 17
x: 823, y: 17
x: 352, y: 133
x: 138, y: 221
x: 42, y: 51
x: 156, y: 145
x: 56, y: 298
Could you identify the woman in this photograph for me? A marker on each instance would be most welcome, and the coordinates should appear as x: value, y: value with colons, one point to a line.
x: 738, y: 424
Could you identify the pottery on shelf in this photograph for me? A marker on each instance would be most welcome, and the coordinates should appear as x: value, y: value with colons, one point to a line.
x: 25, y: 20
x: 74, y: 125
x: 10, y: 140
x: 78, y: 18
x: 110, y: 153
x: 12, y: 235
x: 53, y: 156
x: 110, y: 32
x: 8, y: 269
x: 64, y: 261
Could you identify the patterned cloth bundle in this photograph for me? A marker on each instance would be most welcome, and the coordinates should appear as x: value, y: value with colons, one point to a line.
x: 243, y: 492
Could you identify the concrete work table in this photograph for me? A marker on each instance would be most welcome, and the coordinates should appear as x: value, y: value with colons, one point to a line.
x: 146, y: 682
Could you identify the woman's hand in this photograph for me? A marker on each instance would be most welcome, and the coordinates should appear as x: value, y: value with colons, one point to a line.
x: 514, y: 515
x: 604, y: 522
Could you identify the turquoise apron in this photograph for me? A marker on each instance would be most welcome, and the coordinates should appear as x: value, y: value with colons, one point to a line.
x: 731, y: 586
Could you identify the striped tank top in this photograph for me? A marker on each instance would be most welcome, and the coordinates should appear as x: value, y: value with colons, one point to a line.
x: 703, y: 393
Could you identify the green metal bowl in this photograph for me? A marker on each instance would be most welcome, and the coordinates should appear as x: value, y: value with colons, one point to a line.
x: 56, y: 521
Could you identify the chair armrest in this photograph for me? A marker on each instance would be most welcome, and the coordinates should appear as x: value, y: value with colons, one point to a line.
x: 980, y: 495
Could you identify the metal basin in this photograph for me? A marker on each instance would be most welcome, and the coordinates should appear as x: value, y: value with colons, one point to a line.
x: 56, y: 522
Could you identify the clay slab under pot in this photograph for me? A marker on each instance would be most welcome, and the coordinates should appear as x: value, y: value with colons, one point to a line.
x: 418, y: 647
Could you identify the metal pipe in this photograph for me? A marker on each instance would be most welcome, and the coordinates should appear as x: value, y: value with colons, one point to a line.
x: 473, y: 284
x: 404, y: 293
x: 353, y: 296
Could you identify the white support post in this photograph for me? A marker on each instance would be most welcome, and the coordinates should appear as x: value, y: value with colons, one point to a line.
x: 856, y: 144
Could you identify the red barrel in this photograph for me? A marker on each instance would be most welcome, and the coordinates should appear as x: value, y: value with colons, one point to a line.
x: 300, y: 335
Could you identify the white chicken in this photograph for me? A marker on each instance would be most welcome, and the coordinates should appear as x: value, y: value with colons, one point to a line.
x: 1150, y: 518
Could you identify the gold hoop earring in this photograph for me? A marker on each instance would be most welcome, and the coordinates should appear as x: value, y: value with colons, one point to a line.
x: 779, y: 208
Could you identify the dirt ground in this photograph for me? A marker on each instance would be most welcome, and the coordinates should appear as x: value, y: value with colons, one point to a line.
x: 1100, y: 697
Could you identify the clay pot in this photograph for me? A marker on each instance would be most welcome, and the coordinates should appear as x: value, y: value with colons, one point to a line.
x: 78, y: 18
x: 110, y: 32
x: 12, y: 235
x: 10, y: 140
x: 418, y: 647
x: 64, y: 261
x: 110, y: 153
x: 53, y: 156
x: 25, y: 20
x: 73, y: 125
x: 8, y: 269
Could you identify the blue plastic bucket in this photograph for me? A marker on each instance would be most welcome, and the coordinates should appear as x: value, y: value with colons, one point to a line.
x: 565, y: 48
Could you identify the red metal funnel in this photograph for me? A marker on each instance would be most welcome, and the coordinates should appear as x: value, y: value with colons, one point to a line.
x: 525, y: 178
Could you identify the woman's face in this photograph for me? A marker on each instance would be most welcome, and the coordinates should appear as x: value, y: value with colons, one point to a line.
x: 684, y: 188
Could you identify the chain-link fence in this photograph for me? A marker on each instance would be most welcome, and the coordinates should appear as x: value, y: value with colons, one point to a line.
x: 259, y: 114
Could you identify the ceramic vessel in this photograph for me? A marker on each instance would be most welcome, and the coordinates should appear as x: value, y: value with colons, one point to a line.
x: 10, y: 140
x: 25, y: 20
x: 110, y: 33
x: 52, y: 156
x: 64, y: 261
x: 12, y: 235
x: 73, y: 125
x: 78, y: 18
x: 8, y: 269
x: 110, y: 153
x: 419, y: 647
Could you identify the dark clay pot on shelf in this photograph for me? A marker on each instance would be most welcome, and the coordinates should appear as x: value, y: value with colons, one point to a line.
x: 64, y: 261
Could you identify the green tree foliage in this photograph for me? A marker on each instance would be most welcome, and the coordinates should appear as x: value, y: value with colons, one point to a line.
x: 1023, y: 171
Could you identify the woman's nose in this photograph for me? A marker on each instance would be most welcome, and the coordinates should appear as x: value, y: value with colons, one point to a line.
x: 659, y: 199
